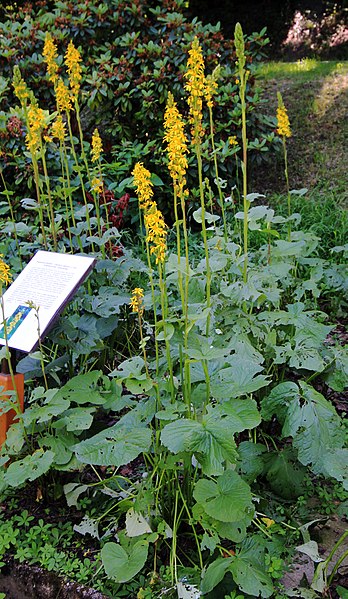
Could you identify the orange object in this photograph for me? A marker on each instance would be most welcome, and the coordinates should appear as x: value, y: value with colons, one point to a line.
x: 7, y: 384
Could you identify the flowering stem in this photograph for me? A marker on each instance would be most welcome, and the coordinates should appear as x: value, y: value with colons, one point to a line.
x: 287, y: 184
x: 78, y: 168
x: 204, y: 230
x: 217, y: 181
x: 50, y: 203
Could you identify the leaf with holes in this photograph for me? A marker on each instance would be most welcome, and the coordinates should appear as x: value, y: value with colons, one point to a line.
x: 115, y: 446
x: 29, y: 468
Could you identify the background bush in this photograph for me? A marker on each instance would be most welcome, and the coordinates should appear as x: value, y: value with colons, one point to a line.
x: 134, y: 52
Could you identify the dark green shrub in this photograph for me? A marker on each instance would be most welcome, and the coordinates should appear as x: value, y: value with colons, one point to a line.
x: 134, y: 53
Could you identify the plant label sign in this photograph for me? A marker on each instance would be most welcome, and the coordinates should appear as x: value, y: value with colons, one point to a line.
x: 34, y: 300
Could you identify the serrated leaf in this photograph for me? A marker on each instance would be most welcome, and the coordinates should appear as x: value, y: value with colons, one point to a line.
x: 209, y: 440
x: 120, y: 565
x: 227, y: 500
x: 237, y: 379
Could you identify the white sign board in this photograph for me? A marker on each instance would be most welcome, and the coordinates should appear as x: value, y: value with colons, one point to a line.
x: 47, y: 282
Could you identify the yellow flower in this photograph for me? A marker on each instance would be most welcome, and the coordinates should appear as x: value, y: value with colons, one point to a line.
x: 143, y: 185
x: 5, y: 275
x: 63, y: 97
x: 50, y: 55
x: 72, y: 62
x: 97, y: 147
x: 232, y: 140
x: 156, y: 232
x: 176, y: 144
x: 36, y: 124
x: 97, y: 185
x: 237, y: 81
x: 20, y: 87
x: 195, y: 86
x: 136, y: 301
x: 268, y: 522
x: 58, y: 128
x: 282, y: 118
x: 210, y: 90
x: 283, y: 122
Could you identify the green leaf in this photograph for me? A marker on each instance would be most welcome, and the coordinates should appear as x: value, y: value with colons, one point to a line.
x: 87, y: 526
x: 237, y: 379
x: 251, y: 460
x: 315, y: 427
x: 72, y: 492
x: 251, y: 579
x: 115, y: 446
x: 215, y: 573
x: 284, y: 473
x: 210, y: 441
x: 335, y: 465
x: 120, y: 565
x: 76, y: 419
x: 242, y: 414
x: 29, y: 468
x: 82, y: 389
x: 228, y: 500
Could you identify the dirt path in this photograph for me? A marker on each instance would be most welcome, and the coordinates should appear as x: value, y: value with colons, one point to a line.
x: 318, y: 149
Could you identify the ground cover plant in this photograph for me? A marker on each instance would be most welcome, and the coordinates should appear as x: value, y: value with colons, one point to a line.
x: 180, y: 402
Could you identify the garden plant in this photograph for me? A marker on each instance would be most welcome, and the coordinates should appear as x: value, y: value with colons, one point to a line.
x: 179, y: 402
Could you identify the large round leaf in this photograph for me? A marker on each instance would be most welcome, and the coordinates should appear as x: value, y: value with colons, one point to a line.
x: 123, y: 566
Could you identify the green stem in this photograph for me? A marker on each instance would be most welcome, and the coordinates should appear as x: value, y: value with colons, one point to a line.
x: 217, y: 180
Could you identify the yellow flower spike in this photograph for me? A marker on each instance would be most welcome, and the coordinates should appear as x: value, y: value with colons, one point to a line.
x: 211, y: 86
x: 143, y: 185
x: 58, y: 128
x: 36, y: 124
x: 20, y: 87
x: 72, y: 62
x: 96, y: 147
x: 136, y: 301
x: 195, y: 86
x: 5, y: 275
x: 50, y: 55
x: 156, y: 230
x: 63, y: 97
x: 97, y: 185
x: 283, y: 121
x: 176, y: 143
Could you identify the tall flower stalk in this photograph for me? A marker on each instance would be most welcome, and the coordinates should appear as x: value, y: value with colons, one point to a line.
x: 137, y: 305
x: 24, y: 94
x: 243, y: 75
x: 195, y: 85
x: 283, y: 129
x: 210, y: 90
